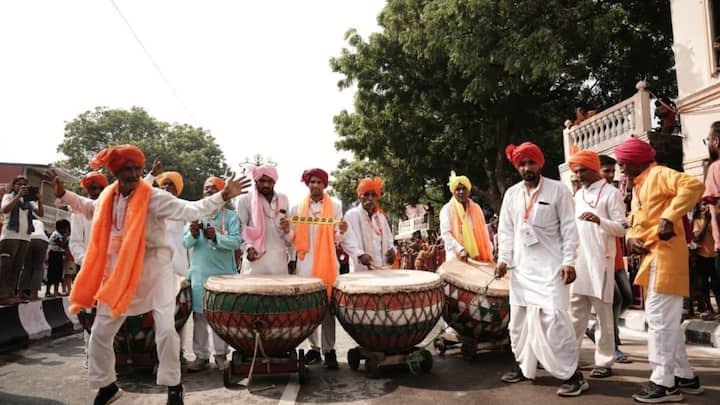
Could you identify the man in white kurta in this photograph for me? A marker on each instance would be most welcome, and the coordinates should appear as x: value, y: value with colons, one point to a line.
x: 600, y: 219
x: 538, y: 238
x: 266, y: 244
x: 369, y: 240
x: 304, y: 252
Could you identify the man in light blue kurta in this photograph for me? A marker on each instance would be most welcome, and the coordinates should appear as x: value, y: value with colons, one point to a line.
x: 213, y: 240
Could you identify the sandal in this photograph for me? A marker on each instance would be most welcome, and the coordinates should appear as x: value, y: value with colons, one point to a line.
x: 620, y: 357
x: 601, y: 372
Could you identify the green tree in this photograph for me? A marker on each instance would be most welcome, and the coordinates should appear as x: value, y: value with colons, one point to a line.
x: 448, y: 84
x: 189, y: 150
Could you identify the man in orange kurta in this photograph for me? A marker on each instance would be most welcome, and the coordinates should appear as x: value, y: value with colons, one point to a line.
x: 661, y: 197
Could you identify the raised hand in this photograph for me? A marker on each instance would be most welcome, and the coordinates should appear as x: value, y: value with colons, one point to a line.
x: 157, y: 167
x: 59, y: 185
x: 235, y: 187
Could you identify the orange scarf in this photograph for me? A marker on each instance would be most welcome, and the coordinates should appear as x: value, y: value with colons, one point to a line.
x: 118, y: 290
x: 457, y: 220
x: 324, y: 256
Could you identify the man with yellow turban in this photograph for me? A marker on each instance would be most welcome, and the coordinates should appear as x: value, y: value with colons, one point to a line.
x: 462, y: 224
x: 369, y: 240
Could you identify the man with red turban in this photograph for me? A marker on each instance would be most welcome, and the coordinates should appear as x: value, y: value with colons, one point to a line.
x: 266, y: 244
x: 369, y: 240
x: 538, y: 238
x: 127, y: 264
x: 661, y: 198
x: 314, y: 253
x: 600, y: 221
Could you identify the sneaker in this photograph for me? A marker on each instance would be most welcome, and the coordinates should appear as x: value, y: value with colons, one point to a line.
x: 220, y: 362
x: 655, y: 394
x: 312, y: 357
x: 175, y: 395
x: 513, y: 376
x: 198, y: 365
x: 601, y: 372
x: 331, y: 360
x: 620, y: 357
x: 107, y: 395
x: 574, y: 386
x: 689, y: 385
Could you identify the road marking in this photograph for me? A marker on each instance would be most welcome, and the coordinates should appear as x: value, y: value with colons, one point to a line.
x: 291, y: 391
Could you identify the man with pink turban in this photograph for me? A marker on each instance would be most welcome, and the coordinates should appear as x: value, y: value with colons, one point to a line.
x: 537, y: 237
x: 661, y: 198
x: 266, y: 243
x: 369, y: 240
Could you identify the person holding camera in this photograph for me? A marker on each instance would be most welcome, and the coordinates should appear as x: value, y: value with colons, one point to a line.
x: 19, y: 206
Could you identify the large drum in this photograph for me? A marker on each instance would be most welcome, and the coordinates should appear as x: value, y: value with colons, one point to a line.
x: 388, y: 311
x: 134, y: 343
x: 477, y: 304
x: 282, y: 309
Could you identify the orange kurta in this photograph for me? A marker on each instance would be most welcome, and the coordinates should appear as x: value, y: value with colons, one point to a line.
x: 663, y: 193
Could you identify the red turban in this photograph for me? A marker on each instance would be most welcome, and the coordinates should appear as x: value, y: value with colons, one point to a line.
x: 319, y: 173
x: 585, y: 158
x: 526, y: 150
x: 93, y: 178
x: 114, y: 158
x: 216, y: 181
x: 635, y: 151
x: 368, y: 184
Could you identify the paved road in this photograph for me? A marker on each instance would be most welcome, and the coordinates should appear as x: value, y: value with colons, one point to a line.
x: 53, y: 373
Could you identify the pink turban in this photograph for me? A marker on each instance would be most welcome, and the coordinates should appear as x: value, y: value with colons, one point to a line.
x: 115, y: 157
x: 526, y: 150
x: 585, y: 158
x: 319, y: 173
x: 634, y: 151
x: 256, y: 172
x: 93, y: 178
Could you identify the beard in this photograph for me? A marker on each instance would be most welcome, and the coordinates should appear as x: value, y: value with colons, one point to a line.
x: 530, y: 176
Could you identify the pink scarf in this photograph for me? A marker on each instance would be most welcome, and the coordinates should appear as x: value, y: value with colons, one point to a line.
x: 255, y: 234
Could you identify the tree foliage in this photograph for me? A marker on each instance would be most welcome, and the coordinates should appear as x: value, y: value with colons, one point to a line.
x: 448, y: 84
x: 189, y: 150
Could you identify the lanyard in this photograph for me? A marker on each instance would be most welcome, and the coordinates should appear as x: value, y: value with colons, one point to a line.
x: 221, y: 228
x: 533, y: 200
x: 597, y: 200
x: 115, y: 212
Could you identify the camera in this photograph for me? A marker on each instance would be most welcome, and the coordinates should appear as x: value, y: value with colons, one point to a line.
x: 32, y: 193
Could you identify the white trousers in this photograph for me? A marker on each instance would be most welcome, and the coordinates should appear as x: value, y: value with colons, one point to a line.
x: 544, y: 335
x: 580, y: 306
x: 201, y: 339
x: 666, y: 340
x: 101, y: 364
x: 327, y: 330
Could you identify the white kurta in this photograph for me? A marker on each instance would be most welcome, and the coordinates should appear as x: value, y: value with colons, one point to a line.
x: 353, y: 243
x: 595, y: 266
x: 304, y: 267
x: 453, y: 246
x: 275, y: 259
x: 80, y: 226
x: 174, y: 239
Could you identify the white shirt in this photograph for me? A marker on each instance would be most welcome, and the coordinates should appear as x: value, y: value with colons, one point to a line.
x: 275, y: 259
x: 157, y: 285
x: 39, y: 232
x: 353, y: 243
x: 536, y: 278
x: 595, y: 267
x: 304, y: 267
x: 80, y: 227
x: 22, y: 232
x: 453, y: 246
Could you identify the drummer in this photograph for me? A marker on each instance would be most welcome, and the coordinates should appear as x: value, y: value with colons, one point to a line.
x: 462, y: 224
x: 314, y: 254
x: 127, y: 262
x: 369, y: 240
x: 213, y: 240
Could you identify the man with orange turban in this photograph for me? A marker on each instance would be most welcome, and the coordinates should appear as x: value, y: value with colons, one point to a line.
x: 600, y: 222
x: 127, y: 264
x: 661, y: 198
x: 538, y: 238
x: 315, y: 256
x: 369, y: 240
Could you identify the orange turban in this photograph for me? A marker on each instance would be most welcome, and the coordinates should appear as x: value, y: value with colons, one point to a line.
x: 115, y: 157
x: 526, y: 150
x: 374, y: 184
x: 175, y: 177
x: 217, y: 181
x: 635, y: 151
x: 585, y: 158
x: 93, y: 178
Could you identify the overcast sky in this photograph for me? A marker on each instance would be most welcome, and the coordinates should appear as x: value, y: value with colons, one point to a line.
x: 256, y: 74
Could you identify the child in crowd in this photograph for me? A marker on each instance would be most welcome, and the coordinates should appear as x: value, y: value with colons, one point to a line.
x: 69, y: 271
x: 56, y: 256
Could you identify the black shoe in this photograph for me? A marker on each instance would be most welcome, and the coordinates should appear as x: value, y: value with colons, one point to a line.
x: 655, y: 394
x: 312, y: 357
x: 574, y: 386
x: 175, y: 395
x: 331, y: 360
x: 513, y: 376
x: 590, y: 333
x: 107, y: 395
x: 689, y: 385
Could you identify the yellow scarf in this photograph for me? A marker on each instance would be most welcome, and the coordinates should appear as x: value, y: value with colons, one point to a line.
x: 474, y: 240
x: 324, y: 256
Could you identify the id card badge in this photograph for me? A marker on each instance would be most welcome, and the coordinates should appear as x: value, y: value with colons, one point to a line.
x: 115, y: 243
x: 528, y: 234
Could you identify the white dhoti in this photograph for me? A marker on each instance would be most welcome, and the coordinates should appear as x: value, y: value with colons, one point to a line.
x: 604, y: 333
x: 544, y: 335
x: 201, y: 339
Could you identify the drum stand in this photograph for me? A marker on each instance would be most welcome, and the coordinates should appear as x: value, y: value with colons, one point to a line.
x: 242, y: 365
x: 469, y: 346
x: 416, y: 359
